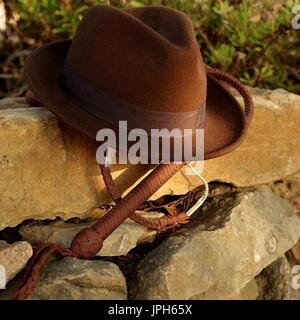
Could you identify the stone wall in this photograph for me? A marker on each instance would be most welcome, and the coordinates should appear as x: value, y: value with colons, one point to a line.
x: 234, y: 249
x: 49, y: 170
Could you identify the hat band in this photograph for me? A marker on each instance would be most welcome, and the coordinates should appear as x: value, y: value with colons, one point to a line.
x: 111, y: 109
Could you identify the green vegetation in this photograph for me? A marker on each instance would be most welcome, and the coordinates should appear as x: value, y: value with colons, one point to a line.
x: 254, y: 41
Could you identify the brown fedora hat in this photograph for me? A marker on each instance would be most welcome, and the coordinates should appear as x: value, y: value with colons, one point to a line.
x: 142, y: 65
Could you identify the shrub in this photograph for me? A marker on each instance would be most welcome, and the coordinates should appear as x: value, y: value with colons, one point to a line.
x: 254, y: 41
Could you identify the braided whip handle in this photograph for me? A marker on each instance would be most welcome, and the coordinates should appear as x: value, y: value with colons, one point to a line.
x: 88, y: 242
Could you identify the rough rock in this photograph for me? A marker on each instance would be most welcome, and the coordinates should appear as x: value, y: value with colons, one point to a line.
x: 14, y: 257
x: 13, y: 103
x: 295, y: 252
x: 49, y: 169
x: 219, y: 252
x: 249, y: 292
x: 120, y: 242
x: 275, y: 282
x: 76, y: 279
x: 289, y: 188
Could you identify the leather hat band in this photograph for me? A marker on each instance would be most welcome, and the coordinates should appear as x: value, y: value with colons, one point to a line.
x: 113, y: 110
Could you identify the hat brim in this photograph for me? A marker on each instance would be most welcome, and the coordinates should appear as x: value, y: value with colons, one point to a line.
x: 225, y: 122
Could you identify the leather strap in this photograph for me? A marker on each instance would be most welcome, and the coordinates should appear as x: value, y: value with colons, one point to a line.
x: 236, y: 84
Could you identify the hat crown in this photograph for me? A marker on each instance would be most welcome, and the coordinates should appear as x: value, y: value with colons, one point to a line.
x: 148, y: 57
